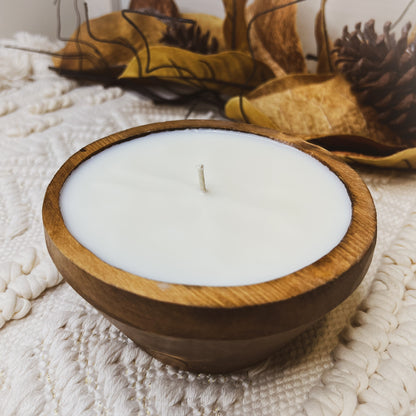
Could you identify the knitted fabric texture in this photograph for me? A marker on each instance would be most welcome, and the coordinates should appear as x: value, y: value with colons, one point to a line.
x: 60, y: 356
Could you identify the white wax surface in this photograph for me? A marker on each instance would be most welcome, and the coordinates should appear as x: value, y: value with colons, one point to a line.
x: 269, y: 209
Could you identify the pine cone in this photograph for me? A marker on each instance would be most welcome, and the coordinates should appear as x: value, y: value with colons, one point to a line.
x: 382, y: 73
x: 190, y: 37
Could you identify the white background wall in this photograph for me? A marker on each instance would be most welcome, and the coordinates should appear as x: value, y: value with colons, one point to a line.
x: 39, y: 16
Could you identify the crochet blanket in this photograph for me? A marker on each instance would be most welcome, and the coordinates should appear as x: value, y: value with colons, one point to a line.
x: 60, y: 356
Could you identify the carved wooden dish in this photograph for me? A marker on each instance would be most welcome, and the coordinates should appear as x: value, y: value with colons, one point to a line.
x: 204, y: 328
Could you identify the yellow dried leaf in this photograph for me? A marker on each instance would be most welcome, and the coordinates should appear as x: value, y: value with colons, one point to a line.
x: 404, y: 159
x: 273, y: 36
x: 109, y: 40
x: 412, y: 36
x: 240, y: 109
x: 228, y: 72
x: 234, y: 27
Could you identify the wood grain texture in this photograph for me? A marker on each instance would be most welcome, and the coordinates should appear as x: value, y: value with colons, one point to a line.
x: 198, y: 327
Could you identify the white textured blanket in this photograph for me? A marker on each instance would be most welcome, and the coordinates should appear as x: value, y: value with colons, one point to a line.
x: 59, y: 356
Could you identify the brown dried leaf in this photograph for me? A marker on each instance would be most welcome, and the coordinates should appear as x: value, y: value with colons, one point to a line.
x: 313, y: 105
x: 228, y: 72
x: 348, y: 144
x: 324, y: 46
x: 165, y: 7
x: 108, y: 41
x: 274, y: 38
x: 322, y: 109
x: 235, y: 28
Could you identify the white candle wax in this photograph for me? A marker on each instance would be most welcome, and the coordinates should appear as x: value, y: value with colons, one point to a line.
x: 268, y: 210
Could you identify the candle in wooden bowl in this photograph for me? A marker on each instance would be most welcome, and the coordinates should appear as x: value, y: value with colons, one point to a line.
x: 208, y: 243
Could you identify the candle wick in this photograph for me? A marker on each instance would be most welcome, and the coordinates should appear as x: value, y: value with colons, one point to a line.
x: 201, y: 175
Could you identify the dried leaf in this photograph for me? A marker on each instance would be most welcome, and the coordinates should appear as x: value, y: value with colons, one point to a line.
x: 165, y: 7
x: 371, y: 153
x: 348, y: 144
x: 228, y: 72
x: 312, y: 105
x: 412, y: 36
x: 324, y: 46
x: 235, y: 28
x: 273, y: 36
x: 405, y: 159
x: 322, y: 109
x: 108, y: 41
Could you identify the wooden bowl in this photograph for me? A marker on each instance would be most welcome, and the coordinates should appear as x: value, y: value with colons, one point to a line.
x: 214, y: 329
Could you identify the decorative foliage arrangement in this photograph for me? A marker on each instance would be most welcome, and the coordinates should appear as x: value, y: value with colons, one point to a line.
x: 361, y: 103
x: 141, y: 47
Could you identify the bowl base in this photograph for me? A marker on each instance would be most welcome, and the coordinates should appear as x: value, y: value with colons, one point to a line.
x: 207, y: 355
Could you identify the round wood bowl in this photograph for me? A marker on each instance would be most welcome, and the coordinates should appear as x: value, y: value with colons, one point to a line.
x: 214, y: 329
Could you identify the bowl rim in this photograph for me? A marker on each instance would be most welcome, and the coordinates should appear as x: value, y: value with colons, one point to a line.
x: 358, y: 241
